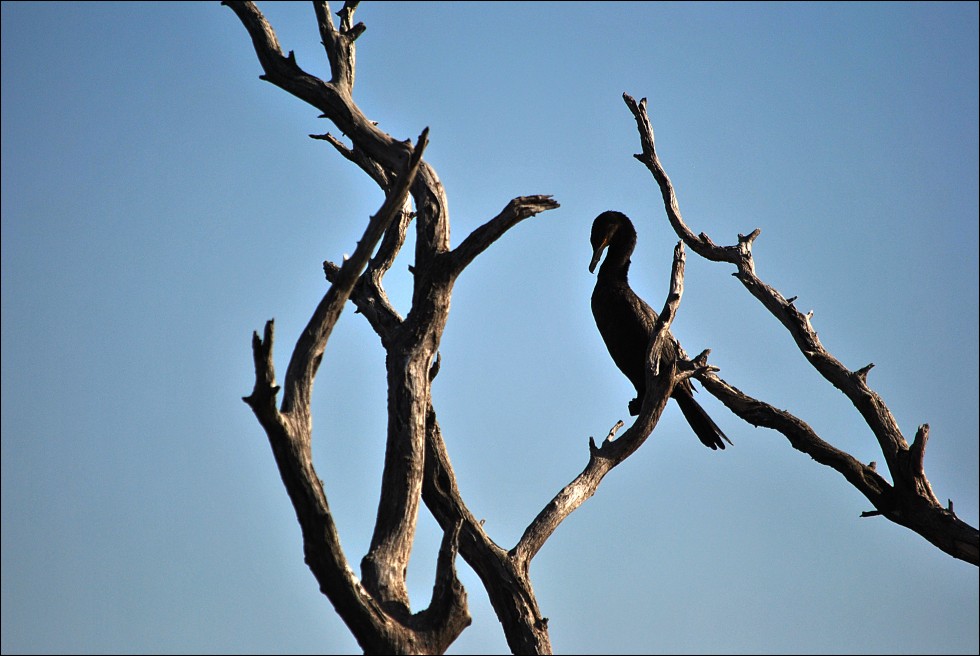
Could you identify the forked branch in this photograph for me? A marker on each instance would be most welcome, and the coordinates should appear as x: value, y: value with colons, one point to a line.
x: 909, y: 500
x: 375, y: 625
x: 309, y: 349
x: 379, y: 615
x: 662, y: 375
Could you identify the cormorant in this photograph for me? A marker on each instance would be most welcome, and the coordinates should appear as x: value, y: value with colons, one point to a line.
x: 626, y: 322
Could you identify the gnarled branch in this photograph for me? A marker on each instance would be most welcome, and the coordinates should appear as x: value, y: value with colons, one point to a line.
x: 289, y: 431
x: 383, y: 622
x: 662, y: 375
x: 309, y: 349
x: 909, y: 501
x: 480, y: 239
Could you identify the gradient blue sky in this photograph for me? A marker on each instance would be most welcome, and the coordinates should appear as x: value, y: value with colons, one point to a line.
x: 160, y: 202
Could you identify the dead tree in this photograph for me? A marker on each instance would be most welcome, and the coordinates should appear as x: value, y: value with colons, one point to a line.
x: 909, y: 499
x: 417, y: 466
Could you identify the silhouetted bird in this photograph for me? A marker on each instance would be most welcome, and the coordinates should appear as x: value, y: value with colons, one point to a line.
x: 626, y: 322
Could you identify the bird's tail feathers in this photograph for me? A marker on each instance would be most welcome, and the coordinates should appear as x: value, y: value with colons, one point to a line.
x: 704, y: 426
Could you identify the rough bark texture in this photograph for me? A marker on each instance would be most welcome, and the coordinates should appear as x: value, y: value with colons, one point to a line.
x: 417, y: 467
x: 909, y: 499
x: 377, y: 607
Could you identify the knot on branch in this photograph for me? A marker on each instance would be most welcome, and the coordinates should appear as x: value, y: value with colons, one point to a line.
x: 744, y: 249
x: 355, y: 31
x: 695, y: 367
x: 917, y: 452
x: 434, y: 369
x: 746, y: 240
x: 862, y: 373
x: 706, y: 240
x: 263, y: 396
x: 593, y: 449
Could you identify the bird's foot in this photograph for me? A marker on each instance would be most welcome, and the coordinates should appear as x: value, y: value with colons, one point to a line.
x: 634, y: 406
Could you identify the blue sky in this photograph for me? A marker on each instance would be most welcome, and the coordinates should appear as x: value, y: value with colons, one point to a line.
x: 160, y: 202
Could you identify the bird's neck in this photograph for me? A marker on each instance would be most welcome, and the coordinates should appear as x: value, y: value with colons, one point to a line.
x: 616, y: 266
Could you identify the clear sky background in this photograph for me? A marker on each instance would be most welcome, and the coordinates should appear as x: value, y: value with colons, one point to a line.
x: 160, y: 202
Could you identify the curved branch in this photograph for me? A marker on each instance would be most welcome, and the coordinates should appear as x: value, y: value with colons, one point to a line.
x: 700, y: 244
x: 480, y: 239
x: 339, y: 44
x: 662, y: 376
x: 801, y: 437
x: 331, y: 98
x: 312, y: 342
x: 289, y: 432
x: 321, y: 542
x: 411, y: 345
x: 508, y: 588
x: 911, y: 502
x: 377, y: 612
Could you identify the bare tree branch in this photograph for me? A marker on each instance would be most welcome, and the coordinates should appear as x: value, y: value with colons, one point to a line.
x: 373, y: 624
x: 384, y: 567
x: 662, y: 376
x: 331, y: 98
x: 910, y: 501
x: 339, y: 44
x: 700, y: 244
x: 264, y: 392
x: 312, y: 342
x: 480, y: 239
x: 378, y: 612
x: 801, y: 437
x: 507, y: 585
x: 412, y: 345
x: 380, y: 175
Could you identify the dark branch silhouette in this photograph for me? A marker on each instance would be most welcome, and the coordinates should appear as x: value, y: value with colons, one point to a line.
x: 909, y: 499
x: 417, y: 468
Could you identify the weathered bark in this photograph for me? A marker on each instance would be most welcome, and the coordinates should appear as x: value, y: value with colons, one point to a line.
x: 377, y: 611
x: 909, y: 499
x: 507, y: 585
x: 412, y: 345
x: 417, y: 464
x: 377, y: 624
x: 505, y: 573
x: 417, y: 467
x: 662, y: 376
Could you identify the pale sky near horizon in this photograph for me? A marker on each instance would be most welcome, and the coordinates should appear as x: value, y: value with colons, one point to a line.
x: 160, y: 202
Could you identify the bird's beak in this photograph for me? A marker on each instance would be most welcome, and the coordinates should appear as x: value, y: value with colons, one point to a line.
x: 597, y: 254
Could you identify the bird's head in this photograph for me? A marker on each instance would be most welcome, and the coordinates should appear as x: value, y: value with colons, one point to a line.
x: 606, y: 228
